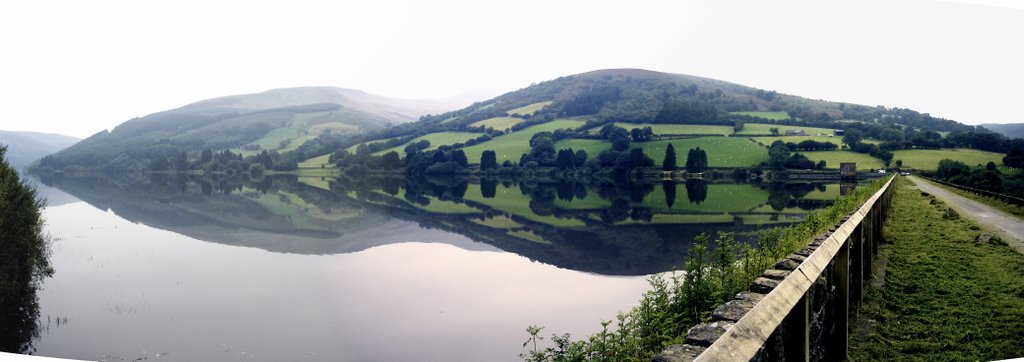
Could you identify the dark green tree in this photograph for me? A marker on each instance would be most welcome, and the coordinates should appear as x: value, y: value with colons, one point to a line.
x: 778, y: 153
x: 566, y: 159
x: 24, y: 259
x: 581, y: 158
x: 696, y: 160
x: 459, y: 158
x: 391, y: 161
x: 488, y: 160
x: 669, y: 164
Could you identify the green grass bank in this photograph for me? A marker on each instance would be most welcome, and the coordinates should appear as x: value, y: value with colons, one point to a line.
x: 945, y: 297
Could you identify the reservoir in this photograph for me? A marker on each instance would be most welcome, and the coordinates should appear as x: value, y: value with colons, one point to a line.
x: 289, y: 268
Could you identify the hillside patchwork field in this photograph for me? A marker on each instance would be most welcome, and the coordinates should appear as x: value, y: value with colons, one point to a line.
x: 498, y: 123
x: 929, y: 159
x: 765, y: 129
x: 512, y: 146
x: 833, y: 158
x: 722, y: 151
x: 436, y: 140
x: 673, y: 129
x: 529, y: 109
x: 777, y: 116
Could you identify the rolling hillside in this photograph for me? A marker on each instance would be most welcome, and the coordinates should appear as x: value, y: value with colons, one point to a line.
x: 575, y: 108
x: 1011, y: 130
x: 276, y: 120
x: 25, y: 147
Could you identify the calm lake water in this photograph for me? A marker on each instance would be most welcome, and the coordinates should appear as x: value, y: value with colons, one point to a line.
x: 320, y: 269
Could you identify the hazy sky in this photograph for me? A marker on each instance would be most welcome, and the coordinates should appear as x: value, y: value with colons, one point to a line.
x: 78, y: 67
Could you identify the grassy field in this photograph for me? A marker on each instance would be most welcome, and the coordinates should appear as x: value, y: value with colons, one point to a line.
x: 513, y: 145
x: 722, y: 151
x: 352, y: 149
x: 317, y: 162
x: 833, y: 158
x: 929, y: 159
x: 498, y: 123
x: 945, y: 296
x: 529, y: 109
x: 673, y: 129
x: 837, y: 140
x: 436, y: 140
x: 777, y: 116
x: 764, y: 128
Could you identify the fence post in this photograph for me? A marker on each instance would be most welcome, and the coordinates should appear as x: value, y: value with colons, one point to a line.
x: 797, y: 340
x: 840, y: 343
x: 857, y: 245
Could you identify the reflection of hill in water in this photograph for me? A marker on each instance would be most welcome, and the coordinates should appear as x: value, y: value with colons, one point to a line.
x: 250, y: 218
x: 609, y: 230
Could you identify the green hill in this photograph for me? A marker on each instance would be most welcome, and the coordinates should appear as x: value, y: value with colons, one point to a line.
x: 25, y: 147
x: 678, y: 106
x: 1011, y: 130
x: 276, y: 120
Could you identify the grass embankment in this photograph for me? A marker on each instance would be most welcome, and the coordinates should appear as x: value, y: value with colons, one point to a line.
x: 945, y: 297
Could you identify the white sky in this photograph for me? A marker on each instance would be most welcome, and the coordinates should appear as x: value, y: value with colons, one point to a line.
x: 78, y: 67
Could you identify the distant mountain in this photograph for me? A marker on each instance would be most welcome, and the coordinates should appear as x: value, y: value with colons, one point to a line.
x: 1011, y: 130
x: 25, y: 147
x: 276, y: 120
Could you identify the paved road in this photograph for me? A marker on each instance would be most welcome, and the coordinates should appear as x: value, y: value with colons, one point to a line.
x: 1010, y: 228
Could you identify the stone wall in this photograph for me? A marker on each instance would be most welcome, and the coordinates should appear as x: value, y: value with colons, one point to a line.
x: 800, y: 308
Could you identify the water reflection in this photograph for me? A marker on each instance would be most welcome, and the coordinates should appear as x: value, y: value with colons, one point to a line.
x: 19, y: 311
x: 613, y: 229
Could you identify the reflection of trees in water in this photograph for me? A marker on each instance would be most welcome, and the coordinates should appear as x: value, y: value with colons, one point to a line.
x: 24, y: 260
x: 782, y: 195
x: 488, y: 188
x: 669, y: 188
x: 696, y: 190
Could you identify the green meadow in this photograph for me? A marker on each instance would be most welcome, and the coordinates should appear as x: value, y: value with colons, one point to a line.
x: 436, y: 140
x: 673, y: 129
x: 722, y: 151
x: 776, y: 116
x: 765, y: 128
x: 498, y: 123
x: 515, y: 144
x: 929, y: 159
x: 833, y: 158
x: 530, y: 109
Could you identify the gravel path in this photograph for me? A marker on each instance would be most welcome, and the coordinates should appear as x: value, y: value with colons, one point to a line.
x: 1009, y: 227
